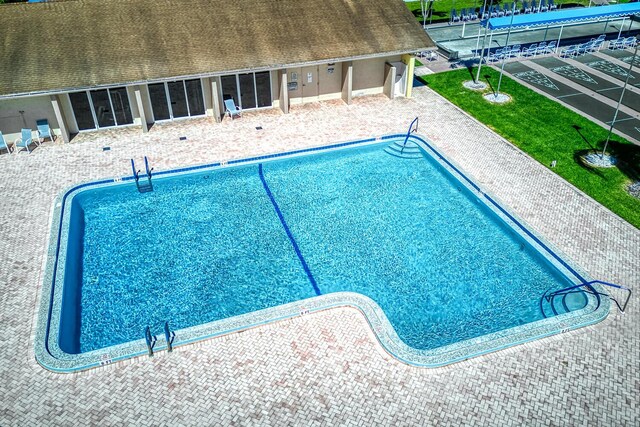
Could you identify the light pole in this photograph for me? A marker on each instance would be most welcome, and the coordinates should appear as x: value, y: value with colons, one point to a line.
x: 506, y: 44
x: 483, y: 42
x: 615, y: 115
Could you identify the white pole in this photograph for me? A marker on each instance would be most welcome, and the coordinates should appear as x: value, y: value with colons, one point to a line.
x: 506, y: 44
x: 483, y: 40
x: 615, y: 116
x: 621, y: 25
x: 559, y: 37
x: 464, y: 23
x: 480, y: 26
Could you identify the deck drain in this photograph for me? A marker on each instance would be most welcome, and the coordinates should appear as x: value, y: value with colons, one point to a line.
x: 258, y: 127
x: 107, y: 148
x: 183, y: 138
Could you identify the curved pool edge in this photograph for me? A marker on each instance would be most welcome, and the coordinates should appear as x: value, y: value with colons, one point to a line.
x: 50, y: 356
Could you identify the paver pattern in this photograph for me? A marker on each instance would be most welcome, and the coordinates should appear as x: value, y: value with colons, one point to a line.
x: 324, y: 368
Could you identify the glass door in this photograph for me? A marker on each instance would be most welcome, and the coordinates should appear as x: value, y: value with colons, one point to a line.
x: 263, y: 89
x: 82, y: 110
x: 159, y: 103
x: 247, y: 91
x: 178, y: 99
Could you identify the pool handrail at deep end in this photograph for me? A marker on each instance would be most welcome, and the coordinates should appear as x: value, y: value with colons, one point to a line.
x: 593, y: 291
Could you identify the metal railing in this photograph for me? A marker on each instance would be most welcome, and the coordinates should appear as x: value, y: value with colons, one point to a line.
x: 592, y: 290
x: 409, y: 133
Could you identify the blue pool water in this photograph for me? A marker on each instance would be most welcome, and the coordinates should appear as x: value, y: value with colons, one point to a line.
x: 211, y: 245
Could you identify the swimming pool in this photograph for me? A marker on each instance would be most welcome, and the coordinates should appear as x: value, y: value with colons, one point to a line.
x: 441, y: 271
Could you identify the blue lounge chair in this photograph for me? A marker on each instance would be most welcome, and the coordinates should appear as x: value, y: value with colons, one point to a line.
x: 516, y: 9
x: 454, y: 16
x: 499, y: 11
x: 616, y: 44
x: 526, y: 6
x: 630, y: 42
x: 552, y: 5
x: 570, y: 52
x: 543, y: 6
x: 230, y: 107
x: 551, y: 47
x: 530, y: 51
x: 542, y: 48
x: 3, y: 144
x: 25, y: 140
x: 473, y: 15
x: 44, y: 131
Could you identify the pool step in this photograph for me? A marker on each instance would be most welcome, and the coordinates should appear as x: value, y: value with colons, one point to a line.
x: 562, y: 303
x: 410, y: 151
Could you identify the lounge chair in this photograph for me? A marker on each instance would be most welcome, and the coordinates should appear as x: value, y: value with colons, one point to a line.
x: 44, y: 131
x: 454, y: 16
x: 230, y: 107
x: 25, y: 140
x: 473, y: 15
x: 484, y: 14
x: 526, y: 6
x: 543, y: 6
x: 499, y: 11
x: 552, y: 5
x: 530, y: 51
x: 515, y: 50
x: 498, y: 55
x: 516, y: 9
x: 3, y: 144
x: 542, y: 48
x: 492, y: 12
x: 570, y: 52
x: 551, y: 47
x: 630, y: 42
x: 508, y: 10
x: 616, y: 44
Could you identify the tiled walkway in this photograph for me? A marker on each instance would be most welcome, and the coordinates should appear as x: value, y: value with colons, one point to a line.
x: 324, y: 368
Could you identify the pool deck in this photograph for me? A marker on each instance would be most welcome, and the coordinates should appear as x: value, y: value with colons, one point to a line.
x: 322, y: 368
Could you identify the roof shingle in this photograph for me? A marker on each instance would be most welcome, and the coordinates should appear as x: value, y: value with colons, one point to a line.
x: 84, y: 43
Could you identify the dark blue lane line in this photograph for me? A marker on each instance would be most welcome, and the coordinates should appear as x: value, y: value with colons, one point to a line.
x: 286, y: 229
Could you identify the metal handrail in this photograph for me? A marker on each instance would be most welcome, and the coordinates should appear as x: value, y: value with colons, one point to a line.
x: 594, y: 292
x: 409, y: 133
x: 146, y: 166
x: 136, y: 174
x: 170, y: 336
x: 151, y: 340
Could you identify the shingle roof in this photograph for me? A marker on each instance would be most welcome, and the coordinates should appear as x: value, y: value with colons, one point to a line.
x: 85, y: 43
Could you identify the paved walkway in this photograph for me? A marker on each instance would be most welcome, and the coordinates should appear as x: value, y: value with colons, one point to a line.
x: 324, y: 368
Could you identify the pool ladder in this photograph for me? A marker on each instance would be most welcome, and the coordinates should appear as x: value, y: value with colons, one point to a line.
x: 588, y: 289
x: 143, y: 187
x: 151, y: 340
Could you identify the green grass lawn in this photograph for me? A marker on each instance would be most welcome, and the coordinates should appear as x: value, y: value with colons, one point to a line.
x: 548, y: 131
x: 442, y: 8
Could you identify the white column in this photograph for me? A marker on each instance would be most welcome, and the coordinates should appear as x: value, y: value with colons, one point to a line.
x: 141, y: 110
x: 215, y: 99
x: 62, y: 124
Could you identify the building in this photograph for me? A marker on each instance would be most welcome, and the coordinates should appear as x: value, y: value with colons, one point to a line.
x: 92, y: 64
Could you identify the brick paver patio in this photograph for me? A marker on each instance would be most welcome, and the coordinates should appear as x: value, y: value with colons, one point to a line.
x: 323, y: 368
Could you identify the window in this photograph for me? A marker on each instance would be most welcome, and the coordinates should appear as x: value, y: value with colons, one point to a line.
x: 248, y: 90
x: 101, y: 108
x: 172, y: 100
